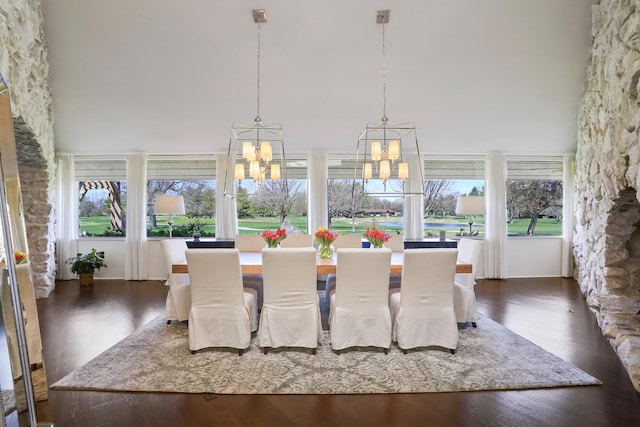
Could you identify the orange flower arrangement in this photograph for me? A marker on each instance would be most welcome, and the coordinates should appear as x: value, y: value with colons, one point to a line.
x: 273, y: 238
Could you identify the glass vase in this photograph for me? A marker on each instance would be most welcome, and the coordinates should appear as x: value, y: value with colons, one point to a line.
x: 326, y: 252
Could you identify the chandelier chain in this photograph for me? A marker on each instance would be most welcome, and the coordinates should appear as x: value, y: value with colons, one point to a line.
x: 258, y: 74
x: 384, y: 76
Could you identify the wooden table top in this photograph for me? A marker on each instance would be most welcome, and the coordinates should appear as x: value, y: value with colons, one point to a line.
x: 251, y: 263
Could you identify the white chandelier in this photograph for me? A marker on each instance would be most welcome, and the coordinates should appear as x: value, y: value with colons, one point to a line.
x: 382, y: 149
x: 257, y: 150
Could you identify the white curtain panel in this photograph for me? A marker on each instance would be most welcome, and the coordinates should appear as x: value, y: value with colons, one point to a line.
x: 66, y: 214
x: 414, y: 204
x: 226, y: 218
x: 318, y: 214
x: 135, y: 267
x: 568, y: 213
x: 496, y: 219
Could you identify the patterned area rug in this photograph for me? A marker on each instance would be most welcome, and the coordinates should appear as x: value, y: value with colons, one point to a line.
x: 156, y: 358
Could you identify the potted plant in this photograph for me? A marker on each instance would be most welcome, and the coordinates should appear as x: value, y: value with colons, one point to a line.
x: 85, y: 265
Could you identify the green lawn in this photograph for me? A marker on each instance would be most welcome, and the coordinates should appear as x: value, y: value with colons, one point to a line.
x: 452, y: 225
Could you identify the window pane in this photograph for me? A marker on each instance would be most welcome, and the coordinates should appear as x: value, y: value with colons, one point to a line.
x: 440, y: 208
x: 534, y: 196
x: 353, y: 211
x: 194, y: 180
x: 273, y: 204
x: 101, y: 208
x: 446, y: 179
x: 102, y: 189
x: 534, y: 207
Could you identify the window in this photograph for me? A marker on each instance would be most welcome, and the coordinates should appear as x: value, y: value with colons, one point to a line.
x: 102, y: 189
x: 273, y: 204
x: 192, y: 178
x: 354, y: 210
x: 447, y: 178
x: 534, y: 196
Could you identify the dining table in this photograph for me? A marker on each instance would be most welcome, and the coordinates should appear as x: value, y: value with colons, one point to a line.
x: 251, y: 263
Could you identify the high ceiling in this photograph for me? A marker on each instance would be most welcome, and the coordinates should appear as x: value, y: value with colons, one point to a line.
x: 167, y: 76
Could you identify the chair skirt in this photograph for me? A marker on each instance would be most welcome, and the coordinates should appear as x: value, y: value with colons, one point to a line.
x: 223, y: 326
x: 349, y: 329
x: 416, y: 327
x: 290, y: 327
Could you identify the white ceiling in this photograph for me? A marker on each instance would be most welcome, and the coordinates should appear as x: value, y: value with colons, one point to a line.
x: 168, y: 76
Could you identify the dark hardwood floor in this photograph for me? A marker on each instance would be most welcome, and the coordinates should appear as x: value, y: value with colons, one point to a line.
x: 79, y: 323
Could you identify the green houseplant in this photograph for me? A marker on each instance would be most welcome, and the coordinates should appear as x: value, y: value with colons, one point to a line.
x: 85, y: 265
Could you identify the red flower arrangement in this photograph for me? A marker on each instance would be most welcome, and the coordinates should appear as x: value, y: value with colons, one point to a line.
x: 273, y: 238
x: 376, y: 237
x: 325, y: 237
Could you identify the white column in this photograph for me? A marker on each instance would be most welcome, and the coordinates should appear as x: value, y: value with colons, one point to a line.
x: 495, y: 256
x: 226, y: 216
x: 66, y: 215
x: 135, y: 267
x: 568, y: 213
x: 413, y: 210
x: 317, y: 199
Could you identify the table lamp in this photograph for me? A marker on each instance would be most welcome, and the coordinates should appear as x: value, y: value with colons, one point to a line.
x: 172, y: 205
x: 470, y: 205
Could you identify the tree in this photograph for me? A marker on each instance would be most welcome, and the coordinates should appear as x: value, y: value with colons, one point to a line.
x: 434, y: 192
x: 89, y: 208
x: 346, y: 199
x: 279, y: 197
x: 199, y: 199
x: 529, y: 197
x: 244, y: 207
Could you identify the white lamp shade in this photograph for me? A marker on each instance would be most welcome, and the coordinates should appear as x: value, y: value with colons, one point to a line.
x: 169, y: 205
x: 403, y: 170
x: 275, y: 171
x: 394, y: 150
x: 248, y: 150
x: 265, y: 151
x: 239, y: 171
x: 385, y: 169
x: 254, y: 169
x: 367, y: 172
x: 376, y: 151
x: 470, y: 205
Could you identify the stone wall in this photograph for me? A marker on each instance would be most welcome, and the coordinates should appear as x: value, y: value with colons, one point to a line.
x: 608, y: 177
x: 23, y: 63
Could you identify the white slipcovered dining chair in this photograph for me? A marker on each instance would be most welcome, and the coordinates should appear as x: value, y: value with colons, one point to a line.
x: 297, y: 241
x: 396, y: 244
x: 464, y: 295
x: 223, y: 313
x: 179, y: 296
x: 251, y: 243
x: 359, y: 313
x: 290, y: 315
x: 422, y: 309
x: 353, y: 241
